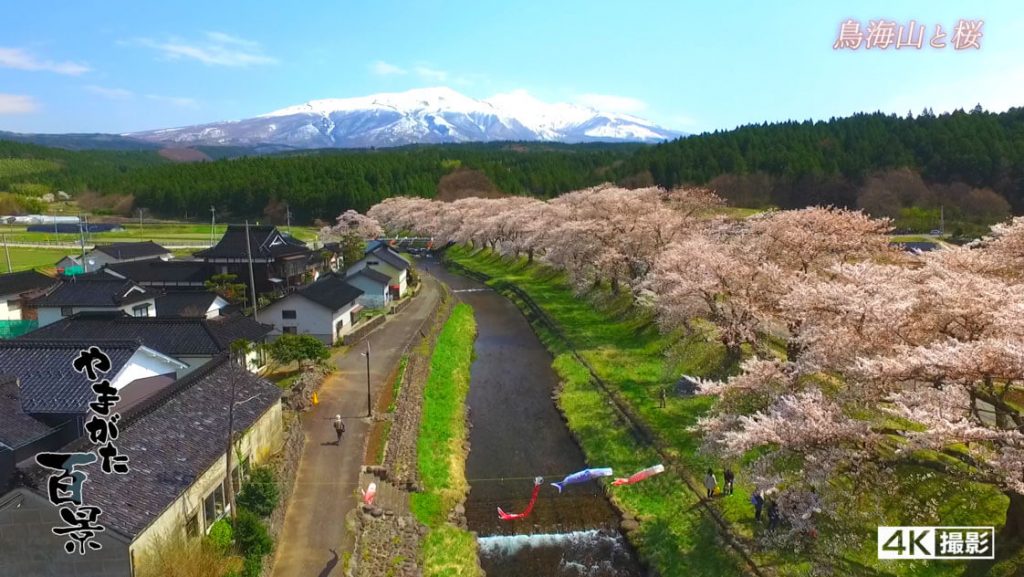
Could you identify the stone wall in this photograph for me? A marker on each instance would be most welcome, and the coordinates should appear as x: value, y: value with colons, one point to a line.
x: 299, y: 398
x: 286, y: 466
x: 360, y: 333
x: 400, y: 454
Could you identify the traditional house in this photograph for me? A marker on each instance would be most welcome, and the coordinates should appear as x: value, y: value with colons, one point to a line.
x: 375, y: 286
x: 198, y: 304
x: 104, y: 254
x: 385, y: 260
x: 176, y: 480
x: 18, y: 288
x: 93, y: 292
x: 193, y: 341
x: 278, y: 260
x: 324, y: 309
x: 44, y: 402
x: 172, y: 274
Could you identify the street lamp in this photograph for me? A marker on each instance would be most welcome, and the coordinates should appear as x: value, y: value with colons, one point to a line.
x: 369, y: 409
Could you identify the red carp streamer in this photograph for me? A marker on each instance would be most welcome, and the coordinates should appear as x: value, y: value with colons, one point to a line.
x: 639, y: 476
x: 533, y: 499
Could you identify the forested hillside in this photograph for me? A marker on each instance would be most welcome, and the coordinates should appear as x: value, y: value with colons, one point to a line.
x: 968, y: 167
x: 315, y: 185
x: 969, y: 163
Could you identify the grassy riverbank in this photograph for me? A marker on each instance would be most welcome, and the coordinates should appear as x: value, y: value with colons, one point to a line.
x: 626, y: 351
x: 447, y: 550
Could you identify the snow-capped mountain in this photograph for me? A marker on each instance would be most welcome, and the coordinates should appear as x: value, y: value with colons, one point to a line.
x: 428, y: 115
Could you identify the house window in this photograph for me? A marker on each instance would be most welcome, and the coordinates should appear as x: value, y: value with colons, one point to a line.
x: 67, y: 311
x: 214, y: 506
x: 239, y: 474
x: 14, y: 305
x: 192, y: 525
x: 290, y: 330
x: 288, y: 314
x: 373, y: 262
x: 140, y: 311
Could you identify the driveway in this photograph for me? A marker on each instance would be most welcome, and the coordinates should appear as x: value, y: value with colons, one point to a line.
x: 314, y: 536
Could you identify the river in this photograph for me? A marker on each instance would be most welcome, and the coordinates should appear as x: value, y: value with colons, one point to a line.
x: 517, y: 434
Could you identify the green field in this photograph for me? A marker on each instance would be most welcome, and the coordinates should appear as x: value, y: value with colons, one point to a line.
x: 29, y: 258
x: 157, y: 232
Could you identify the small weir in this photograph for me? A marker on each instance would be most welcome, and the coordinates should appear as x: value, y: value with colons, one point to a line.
x: 517, y: 434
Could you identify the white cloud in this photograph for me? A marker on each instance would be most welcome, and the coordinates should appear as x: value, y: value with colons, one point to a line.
x: 431, y: 74
x: 181, y: 101
x: 11, y: 104
x: 215, y: 49
x: 111, y: 93
x: 21, y: 60
x: 381, y: 68
x: 612, y: 103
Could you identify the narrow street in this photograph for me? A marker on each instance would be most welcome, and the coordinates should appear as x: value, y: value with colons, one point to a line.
x: 314, y: 536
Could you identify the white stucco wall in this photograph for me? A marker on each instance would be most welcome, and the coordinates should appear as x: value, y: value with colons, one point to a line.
x: 374, y: 296
x: 145, y: 363
x: 310, y: 318
x: 7, y: 314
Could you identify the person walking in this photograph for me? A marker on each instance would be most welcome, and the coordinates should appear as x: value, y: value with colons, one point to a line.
x: 339, y: 428
x: 710, y: 483
x: 758, y: 501
x: 728, y: 476
x: 773, y: 514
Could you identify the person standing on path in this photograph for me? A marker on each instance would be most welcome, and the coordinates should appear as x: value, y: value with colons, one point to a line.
x: 339, y: 428
x: 710, y: 483
x: 758, y: 501
x: 728, y: 477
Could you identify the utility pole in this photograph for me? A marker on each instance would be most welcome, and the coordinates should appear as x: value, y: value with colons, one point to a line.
x: 369, y: 405
x: 8, y: 253
x: 231, y: 449
x: 942, y: 219
x: 252, y: 281
x: 140, y: 219
x: 213, y: 223
x: 82, y: 223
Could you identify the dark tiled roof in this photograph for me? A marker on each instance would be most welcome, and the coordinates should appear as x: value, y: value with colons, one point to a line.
x: 174, y: 336
x: 374, y: 275
x: 123, y: 250
x: 48, y: 382
x: 330, y: 291
x: 159, y: 271
x: 170, y: 441
x: 16, y: 283
x: 93, y: 289
x: 266, y: 242
x: 184, y: 303
x: 229, y: 329
x: 16, y: 428
x: 391, y: 257
x: 373, y: 245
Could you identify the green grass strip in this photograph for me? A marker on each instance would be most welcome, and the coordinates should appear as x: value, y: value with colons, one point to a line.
x: 446, y: 550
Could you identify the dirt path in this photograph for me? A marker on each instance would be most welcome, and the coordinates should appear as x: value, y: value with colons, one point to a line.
x: 314, y: 535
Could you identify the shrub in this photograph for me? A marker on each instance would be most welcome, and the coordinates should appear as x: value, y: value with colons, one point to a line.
x: 253, y: 566
x: 250, y: 534
x: 259, y: 494
x: 221, y: 535
x: 178, y: 556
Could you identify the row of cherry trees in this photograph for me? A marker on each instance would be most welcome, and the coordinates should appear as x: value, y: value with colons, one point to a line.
x: 855, y: 364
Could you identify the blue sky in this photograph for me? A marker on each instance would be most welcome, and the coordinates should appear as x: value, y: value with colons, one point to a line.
x: 117, y: 66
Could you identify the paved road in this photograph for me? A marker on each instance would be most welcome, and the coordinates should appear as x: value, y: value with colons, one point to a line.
x: 314, y: 535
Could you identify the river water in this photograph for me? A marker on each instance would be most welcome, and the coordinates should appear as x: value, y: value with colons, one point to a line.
x: 517, y: 434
